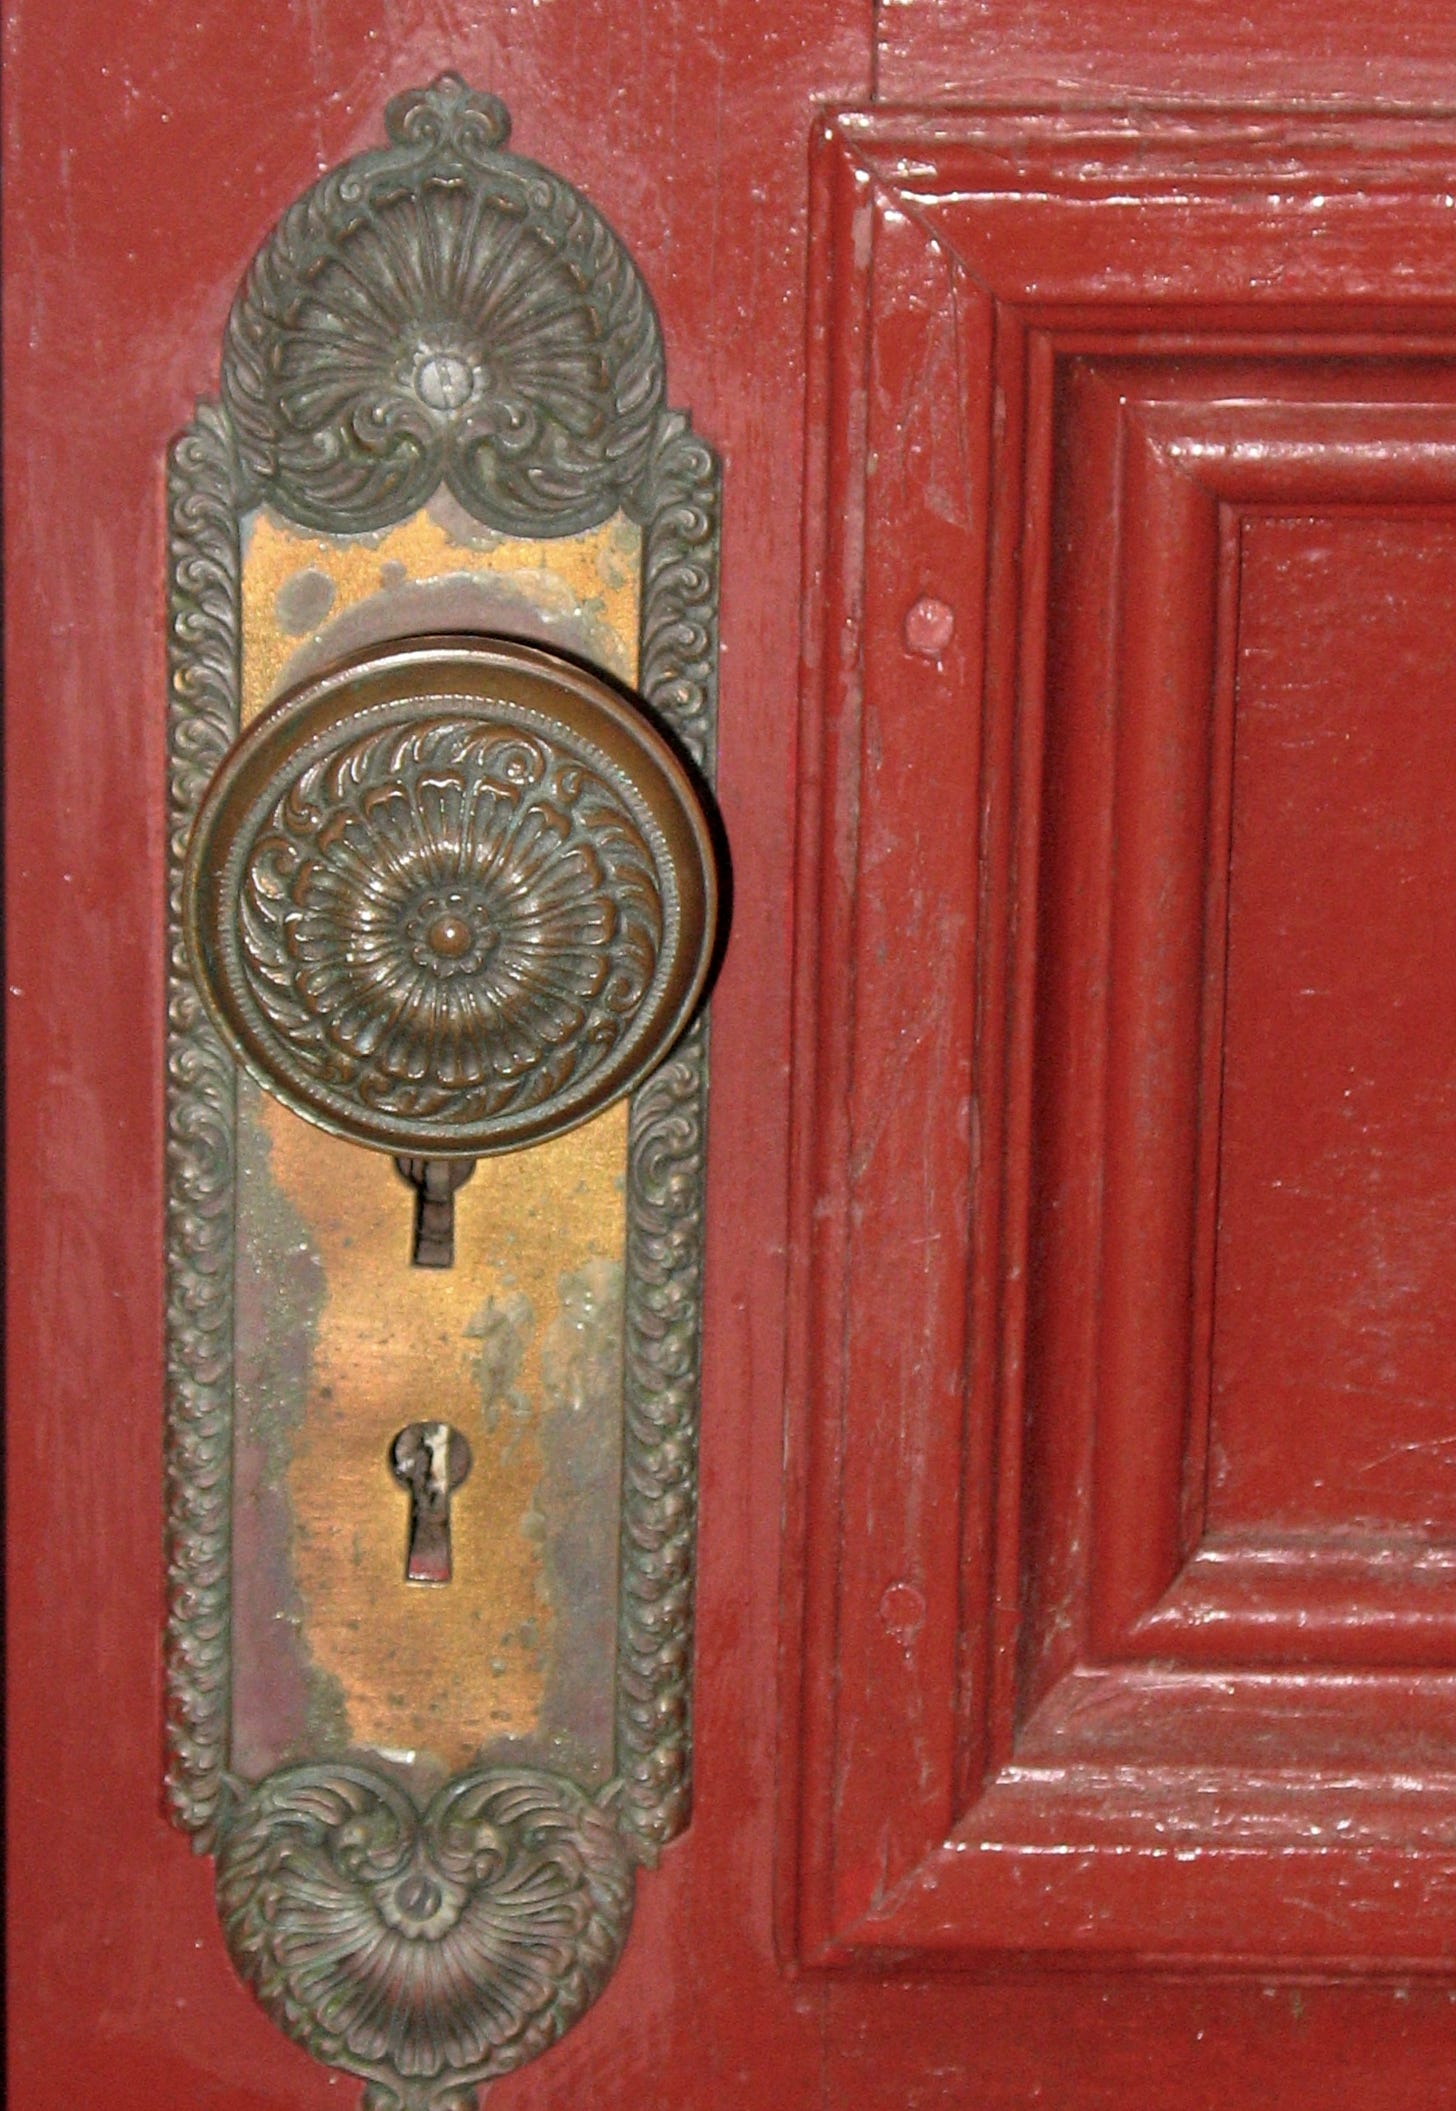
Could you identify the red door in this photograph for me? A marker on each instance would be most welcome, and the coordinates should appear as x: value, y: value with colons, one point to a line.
x: 1076, y: 1691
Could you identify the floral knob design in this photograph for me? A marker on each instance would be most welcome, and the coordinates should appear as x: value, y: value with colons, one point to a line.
x: 451, y: 898
x: 456, y: 920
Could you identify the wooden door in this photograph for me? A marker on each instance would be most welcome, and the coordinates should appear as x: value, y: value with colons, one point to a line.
x: 1076, y: 1694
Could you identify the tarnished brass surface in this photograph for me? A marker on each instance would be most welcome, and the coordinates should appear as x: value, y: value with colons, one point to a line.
x: 309, y: 598
x: 341, y: 1345
x: 341, y: 1342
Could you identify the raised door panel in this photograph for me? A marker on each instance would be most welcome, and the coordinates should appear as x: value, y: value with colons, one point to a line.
x: 1124, y: 1377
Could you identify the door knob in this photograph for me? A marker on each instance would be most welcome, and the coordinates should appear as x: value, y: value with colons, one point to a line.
x: 451, y: 898
x: 443, y: 897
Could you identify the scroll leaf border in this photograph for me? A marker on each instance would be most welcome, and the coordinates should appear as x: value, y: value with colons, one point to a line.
x: 677, y: 503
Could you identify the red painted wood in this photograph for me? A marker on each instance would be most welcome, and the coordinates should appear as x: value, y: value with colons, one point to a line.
x: 1338, y: 1093
x: 149, y: 150
x: 1189, y: 1731
x: 1239, y: 1594
x: 1115, y: 51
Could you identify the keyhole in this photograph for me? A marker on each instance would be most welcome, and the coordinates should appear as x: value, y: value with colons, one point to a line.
x: 430, y: 1459
x: 434, y: 1181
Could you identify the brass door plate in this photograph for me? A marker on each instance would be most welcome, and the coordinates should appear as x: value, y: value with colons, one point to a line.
x: 431, y: 1433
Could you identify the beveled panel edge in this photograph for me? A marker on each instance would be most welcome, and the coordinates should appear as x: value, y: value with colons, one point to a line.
x: 1234, y: 1599
x: 845, y: 1616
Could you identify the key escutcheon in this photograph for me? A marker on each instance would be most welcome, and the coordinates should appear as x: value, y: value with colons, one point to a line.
x: 430, y: 1459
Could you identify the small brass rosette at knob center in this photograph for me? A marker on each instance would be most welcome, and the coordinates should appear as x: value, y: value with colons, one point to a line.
x: 452, y: 897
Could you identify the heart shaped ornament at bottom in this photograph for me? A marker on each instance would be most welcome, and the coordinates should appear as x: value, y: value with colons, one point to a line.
x: 424, y: 1951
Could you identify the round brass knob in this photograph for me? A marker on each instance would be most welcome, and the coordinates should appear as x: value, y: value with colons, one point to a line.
x: 451, y: 897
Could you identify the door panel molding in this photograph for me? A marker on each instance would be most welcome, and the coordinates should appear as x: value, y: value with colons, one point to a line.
x: 1042, y: 1695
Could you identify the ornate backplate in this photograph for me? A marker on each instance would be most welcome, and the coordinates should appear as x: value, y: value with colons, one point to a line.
x: 442, y: 409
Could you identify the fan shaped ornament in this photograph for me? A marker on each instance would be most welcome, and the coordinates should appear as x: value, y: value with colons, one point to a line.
x: 424, y: 1951
x: 442, y: 311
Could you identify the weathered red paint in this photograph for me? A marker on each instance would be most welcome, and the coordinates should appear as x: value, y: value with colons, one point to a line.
x: 149, y: 150
x: 1125, y: 1602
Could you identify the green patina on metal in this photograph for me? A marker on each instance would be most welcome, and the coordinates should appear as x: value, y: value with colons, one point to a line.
x: 436, y: 315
